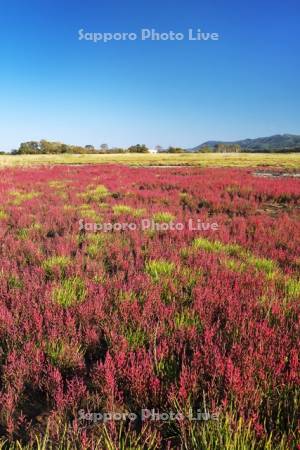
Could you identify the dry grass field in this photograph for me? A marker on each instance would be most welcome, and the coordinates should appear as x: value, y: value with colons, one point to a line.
x: 290, y: 161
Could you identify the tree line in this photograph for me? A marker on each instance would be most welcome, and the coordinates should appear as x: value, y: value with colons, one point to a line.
x: 45, y: 147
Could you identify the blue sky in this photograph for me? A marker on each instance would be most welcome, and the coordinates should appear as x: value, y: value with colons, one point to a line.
x: 55, y: 87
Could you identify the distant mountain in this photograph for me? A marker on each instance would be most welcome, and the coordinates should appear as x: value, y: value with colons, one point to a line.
x: 276, y: 142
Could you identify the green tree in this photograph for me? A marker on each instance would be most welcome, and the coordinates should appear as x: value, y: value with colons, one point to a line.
x: 30, y: 147
x: 104, y: 148
x: 138, y: 149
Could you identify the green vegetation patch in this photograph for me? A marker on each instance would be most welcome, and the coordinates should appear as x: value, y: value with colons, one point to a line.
x: 88, y: 212
x: 3, y: 215
x: 70, y: 292
x: 62, y: 354
x: 126, y: 209
x: 122, y: 209
x: 22, y: 233
x: 136, y: 337
x: 139, y: 212
x: 160, y: 268
x: 292, y: 289
x: 96, y: 243
x: 163, y: 217
x: 268, y: 266
x: 95, y: 194
x: 56, y: 263
x: 218, y: 246
x: 127, y: 296
x: 187, y: 319
x: 167, y: 368
x: 234, y: 265
x: 14, y: 282
x: 20, y: 197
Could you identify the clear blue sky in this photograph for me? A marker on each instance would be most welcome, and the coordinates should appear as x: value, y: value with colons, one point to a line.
x: 55, y: 87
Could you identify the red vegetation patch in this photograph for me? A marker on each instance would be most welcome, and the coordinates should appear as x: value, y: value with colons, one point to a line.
x: 134, y: 319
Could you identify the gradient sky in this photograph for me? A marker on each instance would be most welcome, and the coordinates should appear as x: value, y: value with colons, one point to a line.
x: 55, y: 87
